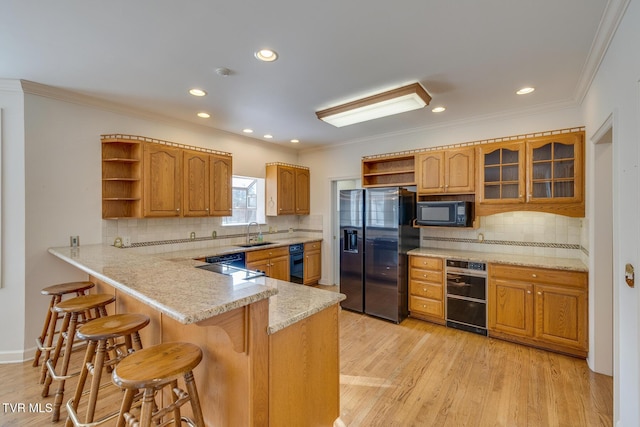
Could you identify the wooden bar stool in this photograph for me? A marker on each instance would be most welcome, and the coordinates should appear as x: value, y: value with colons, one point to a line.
x: 44, y: 343
x: 117, y: 334
x: 152, y: 369
x: 71, y: 309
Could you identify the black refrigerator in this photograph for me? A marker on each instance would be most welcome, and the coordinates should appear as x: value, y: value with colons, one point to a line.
x: 376, y: 231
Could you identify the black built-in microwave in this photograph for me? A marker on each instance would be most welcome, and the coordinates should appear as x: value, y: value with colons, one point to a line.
x: 444, y: 213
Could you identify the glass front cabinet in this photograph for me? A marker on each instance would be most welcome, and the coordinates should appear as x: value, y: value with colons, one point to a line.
x: 544, y: 173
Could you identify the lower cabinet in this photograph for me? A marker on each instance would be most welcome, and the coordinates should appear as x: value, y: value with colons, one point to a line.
x: 426, y: 288
x: 541, y: 307
x: 312, y: 263
x: 274, y: 262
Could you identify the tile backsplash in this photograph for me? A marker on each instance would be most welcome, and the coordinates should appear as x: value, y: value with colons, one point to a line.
x: 169, y: 234
x: 523, y: 233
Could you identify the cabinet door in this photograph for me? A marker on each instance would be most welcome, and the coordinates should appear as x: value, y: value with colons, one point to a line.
x: 554, y: 169
x: 561, y: 316
x: 430, y: 172
x: 302, y: 191
x: 162, y: 180
x: 196, y: 184
x: 460, y: 171
x: 259, y: 265
x: 286, y: 190
x: 501, y: 174
x: 279, y: 268
x: 221, y: 185
x: 511, y: 307
x: 312, y: 266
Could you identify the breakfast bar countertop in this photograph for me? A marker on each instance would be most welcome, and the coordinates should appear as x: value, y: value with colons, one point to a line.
x: 189, y: 295
x: 571, y: 264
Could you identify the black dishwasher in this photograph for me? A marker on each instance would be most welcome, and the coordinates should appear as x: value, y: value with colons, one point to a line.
x: 296, y: 263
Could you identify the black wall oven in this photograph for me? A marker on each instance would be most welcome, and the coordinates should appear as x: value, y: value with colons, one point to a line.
x: 467, y: 296
x: 296, y: 263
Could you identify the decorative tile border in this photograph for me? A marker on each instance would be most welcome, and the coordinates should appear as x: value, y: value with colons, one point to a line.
x: 506, y: 243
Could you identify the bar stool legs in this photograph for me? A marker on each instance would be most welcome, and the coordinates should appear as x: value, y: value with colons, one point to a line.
x: 101, y: 335
x: 71, y: 308
x: 152, y: 369
x: 44, y: 342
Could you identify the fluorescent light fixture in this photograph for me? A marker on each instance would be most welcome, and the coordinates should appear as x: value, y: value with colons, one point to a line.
x: 406, y: 98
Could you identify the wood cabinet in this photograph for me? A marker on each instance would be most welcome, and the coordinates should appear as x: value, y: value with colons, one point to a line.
x: 207, y: 184
x: 162, y: 189
x: 274, y: 262
x: 388, y: 171
x: 121, y: 177
x: 312, y: 263
x: 143, y: 177
x: 502, y: 176
x: 287, y: 189
x: 446, y: 171
x: 426, y: 288
x: 544, y: 174
x: 545, y: 308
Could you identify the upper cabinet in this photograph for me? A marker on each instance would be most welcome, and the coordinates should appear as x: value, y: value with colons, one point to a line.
x: 388, y: 171
x: 121, y: 178
x: 150, y: 178
x: 537, y: 174
x: 502, y: 178
x: 446, y: 171
x: 287, y: 189
x: 162, y: 185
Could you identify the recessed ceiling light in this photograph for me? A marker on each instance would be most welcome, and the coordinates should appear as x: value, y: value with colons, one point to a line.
x: 247, y: 130
x: 266, y: 55
x: 197, y: 92
x: 295, y: 141
x: 525, y: 90
x: 438, y: 109
x: 268, y: 136
x: 204, y: 115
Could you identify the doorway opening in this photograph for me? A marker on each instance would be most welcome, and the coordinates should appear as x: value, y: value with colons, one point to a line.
x: 601, y: 289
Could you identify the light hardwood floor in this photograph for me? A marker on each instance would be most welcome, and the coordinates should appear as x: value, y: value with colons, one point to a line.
x: 416, y: 374
x: 421, y: 374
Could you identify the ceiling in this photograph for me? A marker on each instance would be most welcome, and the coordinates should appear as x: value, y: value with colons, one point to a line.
x: 471, y: 56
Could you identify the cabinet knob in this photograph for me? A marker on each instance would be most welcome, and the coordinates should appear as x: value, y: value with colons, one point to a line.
x: 178, y: 210
x: 534, y: 275
x: 529, y: 292
x: 424, y: 289
x: 424, y: 275
x: 539, y: 293
x: 424, y: 305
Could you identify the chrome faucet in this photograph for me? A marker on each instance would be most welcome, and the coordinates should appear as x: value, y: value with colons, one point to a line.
x: 248, y: 228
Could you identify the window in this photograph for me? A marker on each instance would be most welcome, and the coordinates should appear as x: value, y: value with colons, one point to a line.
x: 248, y: 201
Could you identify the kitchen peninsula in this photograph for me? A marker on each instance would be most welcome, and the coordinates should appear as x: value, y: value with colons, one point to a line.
x: 271, y: 348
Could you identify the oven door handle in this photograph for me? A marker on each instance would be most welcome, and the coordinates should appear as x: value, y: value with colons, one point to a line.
x: 463, y: 272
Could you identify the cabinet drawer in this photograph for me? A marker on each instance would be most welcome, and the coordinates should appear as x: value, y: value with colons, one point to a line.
x: 267, y: 253
x: 539, y: 275
x: 426, y: 263
x: 427, y: 290
x: 425, y: 275
x: 426, y: 306
x: 312, y: 246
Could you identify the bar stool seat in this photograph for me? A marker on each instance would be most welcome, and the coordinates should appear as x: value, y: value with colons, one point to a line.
x: 71, y: 309
x: 102, y: 336
x: 44, y: 342
x: 150, y: 370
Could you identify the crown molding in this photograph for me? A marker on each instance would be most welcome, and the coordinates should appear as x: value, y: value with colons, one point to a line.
x: 10, y: 85
x: 613, y: 13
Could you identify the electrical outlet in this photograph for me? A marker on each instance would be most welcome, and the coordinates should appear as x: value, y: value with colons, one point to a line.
x: 126, y: 241
x: 74, y: 241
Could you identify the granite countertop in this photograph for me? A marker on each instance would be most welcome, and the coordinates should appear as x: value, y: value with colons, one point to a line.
x: 169, y: 283
x: 571, y: 264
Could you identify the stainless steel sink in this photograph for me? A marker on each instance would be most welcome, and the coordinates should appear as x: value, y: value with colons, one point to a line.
x: 251, y: 245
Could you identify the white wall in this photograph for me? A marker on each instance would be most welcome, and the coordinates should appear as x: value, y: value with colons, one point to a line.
x: 615, y: 93
x: 58, y: 193
x: 12, y: 297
